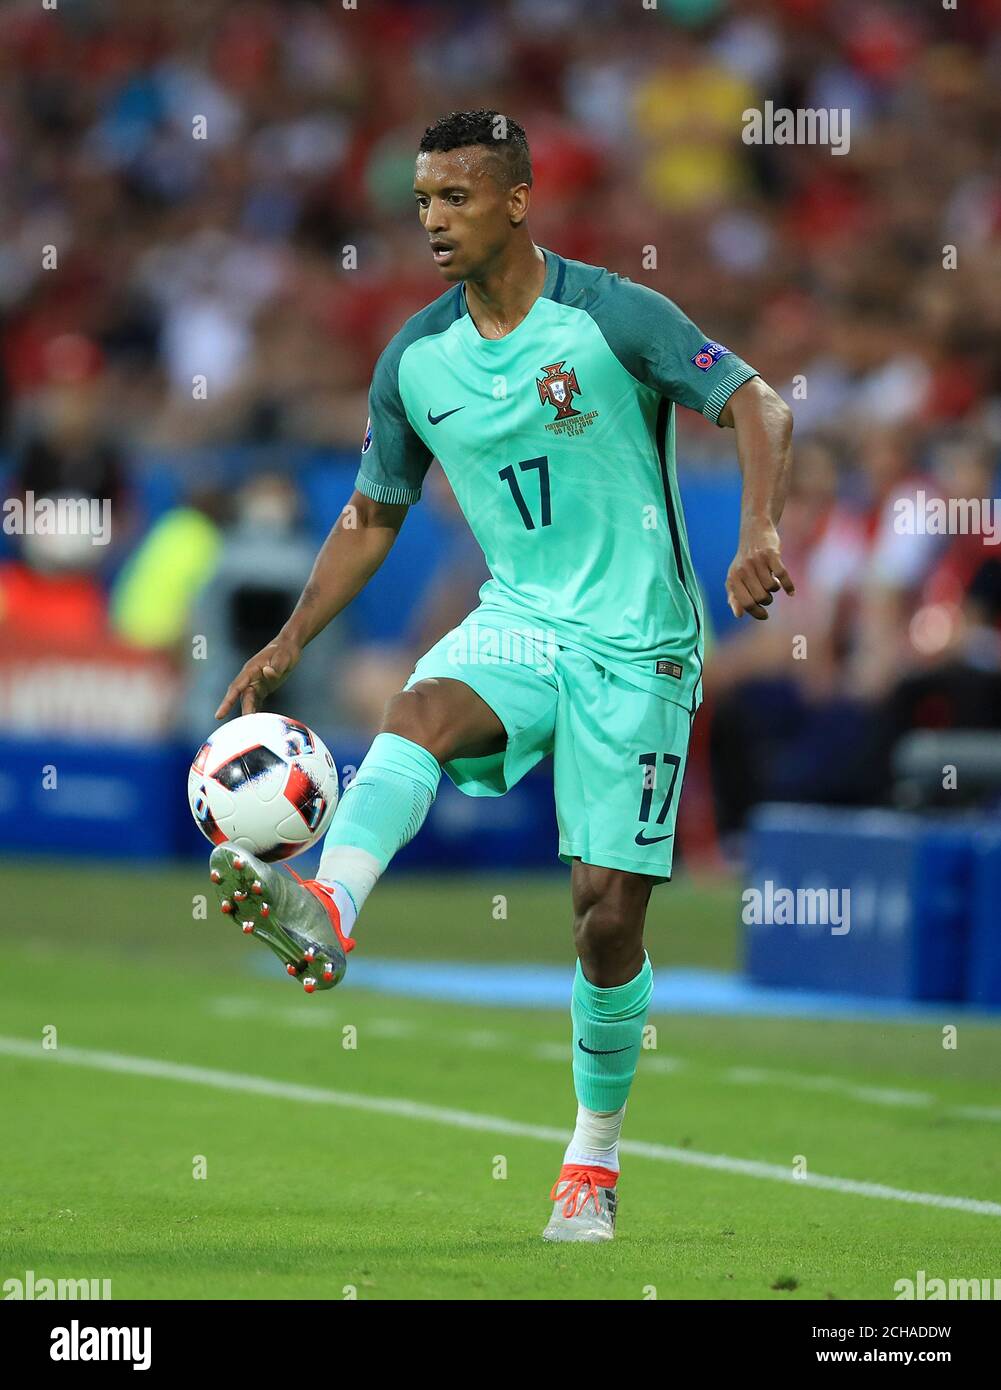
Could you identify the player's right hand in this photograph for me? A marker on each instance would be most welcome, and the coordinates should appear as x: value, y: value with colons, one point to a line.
x: 260, y: 676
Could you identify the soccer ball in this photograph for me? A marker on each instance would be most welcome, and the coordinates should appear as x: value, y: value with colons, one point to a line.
x: 264, y: 782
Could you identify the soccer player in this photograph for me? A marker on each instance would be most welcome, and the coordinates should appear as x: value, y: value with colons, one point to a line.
x: 547, y: 390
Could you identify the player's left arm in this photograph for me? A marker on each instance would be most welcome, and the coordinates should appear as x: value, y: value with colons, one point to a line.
x: 661, y: 347
x: 763, y: 425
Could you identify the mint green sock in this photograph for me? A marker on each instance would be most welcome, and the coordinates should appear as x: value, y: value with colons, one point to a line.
x: 387, y: 802
x: 607, y: 1033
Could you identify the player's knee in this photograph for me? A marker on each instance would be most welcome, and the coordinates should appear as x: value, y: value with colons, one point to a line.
x: 602, y: 927
x: 414, y: 715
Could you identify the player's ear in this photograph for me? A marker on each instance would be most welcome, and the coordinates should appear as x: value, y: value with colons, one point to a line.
x: 517, y: 203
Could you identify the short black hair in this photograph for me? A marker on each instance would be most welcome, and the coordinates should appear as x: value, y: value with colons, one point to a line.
x: 496, y: 131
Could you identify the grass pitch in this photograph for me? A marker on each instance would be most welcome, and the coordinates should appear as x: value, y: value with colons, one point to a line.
x: 360, y: 1145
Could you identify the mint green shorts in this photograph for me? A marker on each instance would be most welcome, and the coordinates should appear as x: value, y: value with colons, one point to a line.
x: 619, y: 752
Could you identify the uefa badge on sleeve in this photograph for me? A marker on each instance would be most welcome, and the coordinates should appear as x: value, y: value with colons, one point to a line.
x: 708, y: 355
x: 366, y: 443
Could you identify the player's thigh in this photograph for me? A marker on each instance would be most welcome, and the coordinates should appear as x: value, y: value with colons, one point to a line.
x: 447, y: 717
x: 619, y: 763
x: 504, y: 721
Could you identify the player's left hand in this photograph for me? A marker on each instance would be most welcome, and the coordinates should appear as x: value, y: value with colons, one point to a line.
x: 757, y: 572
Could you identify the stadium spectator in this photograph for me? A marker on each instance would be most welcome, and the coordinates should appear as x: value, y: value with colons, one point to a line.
x: 261, y: 564
x: 153, y: 596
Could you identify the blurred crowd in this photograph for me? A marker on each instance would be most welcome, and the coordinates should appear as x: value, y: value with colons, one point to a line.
x: 208, y: 234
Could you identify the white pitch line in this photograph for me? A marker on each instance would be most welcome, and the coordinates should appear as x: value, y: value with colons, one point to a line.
x: 239, y: 1008
x: 877, y: 1095
x: 466, y: 1119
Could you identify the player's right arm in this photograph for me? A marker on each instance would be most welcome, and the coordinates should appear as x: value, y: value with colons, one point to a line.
x: 394, y: 460
x: 358, y: 542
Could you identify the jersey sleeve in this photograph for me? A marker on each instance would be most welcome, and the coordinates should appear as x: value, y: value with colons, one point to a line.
x: 394, y: 459
x: 663, y: 348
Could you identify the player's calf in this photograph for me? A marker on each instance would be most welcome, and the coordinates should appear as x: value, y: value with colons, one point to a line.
x: 609, y: 1002
x: 609, y: 913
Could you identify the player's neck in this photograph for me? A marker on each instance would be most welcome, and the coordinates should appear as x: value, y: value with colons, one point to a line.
x: 499, y: 301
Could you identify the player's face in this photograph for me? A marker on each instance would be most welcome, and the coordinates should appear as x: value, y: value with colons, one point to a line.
x: 464, y: 210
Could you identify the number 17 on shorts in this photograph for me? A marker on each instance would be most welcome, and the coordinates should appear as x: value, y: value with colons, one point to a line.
x: 619, y: 763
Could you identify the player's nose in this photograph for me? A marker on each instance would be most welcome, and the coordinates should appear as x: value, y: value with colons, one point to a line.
x: 436, y: 219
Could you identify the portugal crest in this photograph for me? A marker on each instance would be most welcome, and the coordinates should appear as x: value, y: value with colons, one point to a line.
x: 558, y: 388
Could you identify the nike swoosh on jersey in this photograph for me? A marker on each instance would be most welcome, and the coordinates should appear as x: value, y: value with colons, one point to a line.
x: 642, y: 839
x: 437, y: 419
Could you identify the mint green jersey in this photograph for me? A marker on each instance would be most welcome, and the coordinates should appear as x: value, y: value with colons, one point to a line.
x: 558, y: 442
